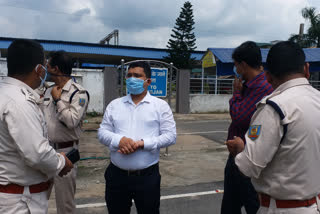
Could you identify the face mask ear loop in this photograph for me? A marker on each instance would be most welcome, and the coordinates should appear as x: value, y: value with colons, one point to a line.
x: 37, y: 68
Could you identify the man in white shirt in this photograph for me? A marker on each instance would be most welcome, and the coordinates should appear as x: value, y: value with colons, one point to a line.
x: 28, y: 162
x: 134, y: 128
x: 282, y: 154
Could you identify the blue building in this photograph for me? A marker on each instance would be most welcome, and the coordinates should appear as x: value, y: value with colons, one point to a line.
x: 98, y: 55
x: 224, y: 62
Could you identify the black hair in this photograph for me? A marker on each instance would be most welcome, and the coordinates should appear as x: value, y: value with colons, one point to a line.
x: 23, y: 56
x: 144, y: 65
x: 250, y: 53
x: 285, y: 58
x: 62, y: 60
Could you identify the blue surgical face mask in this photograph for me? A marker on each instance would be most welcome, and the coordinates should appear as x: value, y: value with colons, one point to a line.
x: 135, y: 85
x: 236, y: 73
x: 45, y: 76
x: 49, y: 76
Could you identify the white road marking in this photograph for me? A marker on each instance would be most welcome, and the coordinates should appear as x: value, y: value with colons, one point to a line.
x: 203, y: 121
x: 191, y: 194
x: 208, y: 132
x: 80, y: 206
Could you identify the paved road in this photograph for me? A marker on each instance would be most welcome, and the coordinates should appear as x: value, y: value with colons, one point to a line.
x: 215, y: 130
x: 203, y: 199
x: 201, y: 202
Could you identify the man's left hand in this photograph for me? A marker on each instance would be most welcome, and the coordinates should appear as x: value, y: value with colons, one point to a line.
x: 235, y: 146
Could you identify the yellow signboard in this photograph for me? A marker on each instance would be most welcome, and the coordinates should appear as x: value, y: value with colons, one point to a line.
x: 208, y: 60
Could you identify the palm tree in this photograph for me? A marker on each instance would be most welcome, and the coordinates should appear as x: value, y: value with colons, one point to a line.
x: 312, y: 38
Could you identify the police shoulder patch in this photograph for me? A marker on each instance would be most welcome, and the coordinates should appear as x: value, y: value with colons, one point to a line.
x: 254, y: 132
x: 82, y: 102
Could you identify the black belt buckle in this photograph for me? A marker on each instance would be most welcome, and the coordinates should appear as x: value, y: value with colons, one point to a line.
x: 134, y: 172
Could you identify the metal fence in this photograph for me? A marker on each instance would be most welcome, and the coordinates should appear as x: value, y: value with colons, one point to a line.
x: 221, y: 86
x: 211, y: 86
x: 315, y: 84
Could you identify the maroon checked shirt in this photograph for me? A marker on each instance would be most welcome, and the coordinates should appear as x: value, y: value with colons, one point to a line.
x: 243, y: 104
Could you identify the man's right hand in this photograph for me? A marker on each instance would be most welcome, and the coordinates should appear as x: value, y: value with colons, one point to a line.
x: 235, y: 146
x: 127, y: 146
x: 56, y: 92
x: 237, y: 84
x: 67, y: 167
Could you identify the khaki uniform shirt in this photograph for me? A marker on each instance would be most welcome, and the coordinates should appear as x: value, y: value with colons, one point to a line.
x: 290, y: 170
x: 25, y: 154
x: 64, y: 118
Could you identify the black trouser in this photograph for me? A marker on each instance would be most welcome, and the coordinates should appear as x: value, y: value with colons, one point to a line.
x: 238, y: 191
x: 143, y: 188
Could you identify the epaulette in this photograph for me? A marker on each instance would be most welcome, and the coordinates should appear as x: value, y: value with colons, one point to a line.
x: 79, y: 87
x: 29, y: 96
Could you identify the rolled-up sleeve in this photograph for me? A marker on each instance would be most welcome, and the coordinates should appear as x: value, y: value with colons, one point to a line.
x: 260, y: 151
x: 106, y: 132
x: 168, y: 133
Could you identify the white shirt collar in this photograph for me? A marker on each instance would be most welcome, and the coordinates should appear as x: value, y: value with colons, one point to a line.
x: 16, y: 82
x: 146, y: 98
x: 291, y: 83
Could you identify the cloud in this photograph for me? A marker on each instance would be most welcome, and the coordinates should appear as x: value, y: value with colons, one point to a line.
x: 76, y: 16
x: 148, y: 23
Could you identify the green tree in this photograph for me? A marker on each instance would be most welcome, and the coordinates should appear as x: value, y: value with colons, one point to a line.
x: 183, y: 40
x: 312, y: 38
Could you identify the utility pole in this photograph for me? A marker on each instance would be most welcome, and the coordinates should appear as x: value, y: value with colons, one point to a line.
x: 301, y: 29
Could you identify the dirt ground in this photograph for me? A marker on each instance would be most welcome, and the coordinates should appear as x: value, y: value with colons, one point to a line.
x: 190, y: 160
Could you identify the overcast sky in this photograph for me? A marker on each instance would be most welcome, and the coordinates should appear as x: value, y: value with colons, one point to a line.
x: 148, y: 23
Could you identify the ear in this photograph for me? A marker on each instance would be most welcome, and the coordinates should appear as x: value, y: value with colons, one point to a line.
x: 56, y: 68
x: 37, y: 70
x: 148, y: 81
x: 261, y: 68
x: 243, y: 64
x: 268, y: 76
x: 306, y: 70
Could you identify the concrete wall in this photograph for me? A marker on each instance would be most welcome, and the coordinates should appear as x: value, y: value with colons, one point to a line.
x: 205, y: 103
x: 92, y: 80
x: 3, y: 67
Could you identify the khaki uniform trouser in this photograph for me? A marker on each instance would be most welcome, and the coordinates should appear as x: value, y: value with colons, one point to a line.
x: 26, y: 203
x: 272, y: 209
x: 65, y: 189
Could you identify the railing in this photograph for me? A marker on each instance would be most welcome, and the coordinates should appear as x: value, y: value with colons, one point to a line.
x: 315, y: 84
x: 211, y: 86
x: 221, y: 86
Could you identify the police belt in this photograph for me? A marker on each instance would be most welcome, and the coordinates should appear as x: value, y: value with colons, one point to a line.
x: 265, y: 202
x: 63, y: 145
x: 140, y: 172
x: 17, y: 189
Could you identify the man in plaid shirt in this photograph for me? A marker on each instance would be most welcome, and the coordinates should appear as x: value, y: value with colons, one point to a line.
x: 238, y: 190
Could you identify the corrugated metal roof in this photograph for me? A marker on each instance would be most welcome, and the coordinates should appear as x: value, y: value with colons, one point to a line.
x: 225, y: 54
x: 90, y: 48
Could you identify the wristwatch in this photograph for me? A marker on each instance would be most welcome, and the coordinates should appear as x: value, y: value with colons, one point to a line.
x: 56, y: 101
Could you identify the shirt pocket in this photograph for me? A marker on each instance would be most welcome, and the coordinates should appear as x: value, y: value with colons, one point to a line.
x: 121, y: 122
